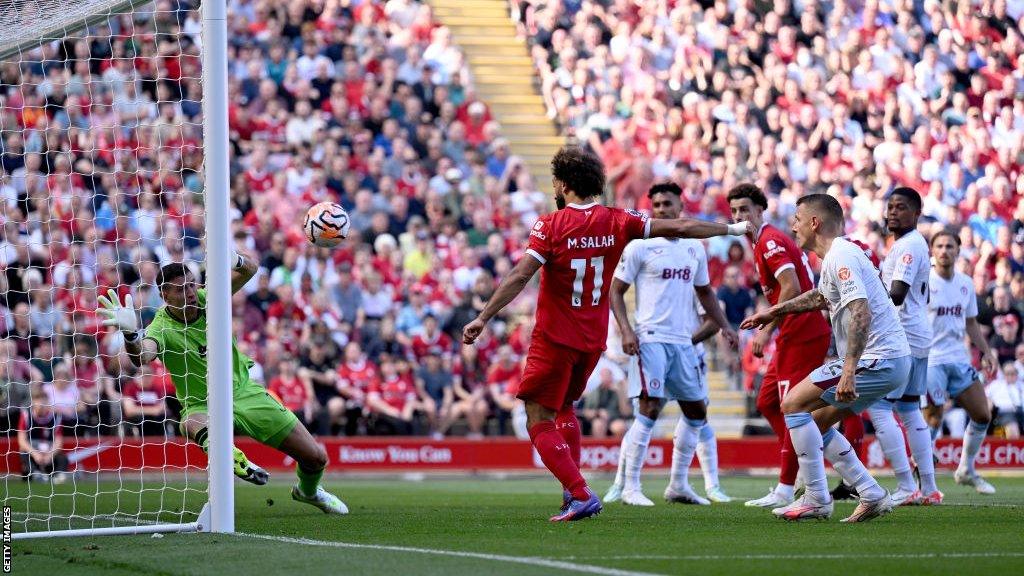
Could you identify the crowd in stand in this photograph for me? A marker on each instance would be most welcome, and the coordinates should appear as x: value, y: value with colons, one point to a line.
x: 369, y: 104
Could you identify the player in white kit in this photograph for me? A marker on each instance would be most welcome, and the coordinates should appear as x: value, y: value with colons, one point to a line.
x: 874, y: 360
x: 953, y: 311
x: 667, y: 274
x: 905, y: 272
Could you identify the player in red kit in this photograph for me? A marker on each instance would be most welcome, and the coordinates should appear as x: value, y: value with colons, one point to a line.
x: 803, y: 339
x: 578, y: 246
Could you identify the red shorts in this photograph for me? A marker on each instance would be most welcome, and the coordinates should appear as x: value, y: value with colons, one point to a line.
x: 555, y: 375
x: 790, y: 365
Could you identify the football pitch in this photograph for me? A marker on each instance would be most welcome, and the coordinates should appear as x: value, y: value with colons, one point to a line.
x: 495, y: 527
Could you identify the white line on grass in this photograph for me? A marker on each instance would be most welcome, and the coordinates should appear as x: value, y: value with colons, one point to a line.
x: 938, y: 555
x: 530, y: 561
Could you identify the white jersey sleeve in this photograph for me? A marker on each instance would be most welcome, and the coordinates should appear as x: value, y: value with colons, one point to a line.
x: 701, y: 276
x: 630, y: 263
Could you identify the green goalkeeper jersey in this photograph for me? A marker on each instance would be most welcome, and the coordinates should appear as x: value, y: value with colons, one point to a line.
x: 182, y: 349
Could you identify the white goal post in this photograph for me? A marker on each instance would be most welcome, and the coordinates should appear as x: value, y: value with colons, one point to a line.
x: 133, y: 498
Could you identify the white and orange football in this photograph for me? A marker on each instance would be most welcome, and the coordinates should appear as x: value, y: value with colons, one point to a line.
x: 326, y: 224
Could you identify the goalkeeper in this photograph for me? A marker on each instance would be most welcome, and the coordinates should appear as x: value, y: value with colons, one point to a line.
x: 177, y: 336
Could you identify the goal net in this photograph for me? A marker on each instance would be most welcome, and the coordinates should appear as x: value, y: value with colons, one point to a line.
x: 101, y: 147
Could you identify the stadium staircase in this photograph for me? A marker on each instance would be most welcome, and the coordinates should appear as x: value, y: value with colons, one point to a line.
x: 504, y: 78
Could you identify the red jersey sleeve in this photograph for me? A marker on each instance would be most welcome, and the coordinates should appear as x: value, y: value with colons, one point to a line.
x: 540, y: 239
x: 636, y: 224
x: 775, y: 256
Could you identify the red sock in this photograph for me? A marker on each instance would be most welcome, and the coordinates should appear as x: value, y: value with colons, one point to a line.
x: 853, y: 430
x: 569, y: 427
x: 790, y: 466
x: 555, y: 453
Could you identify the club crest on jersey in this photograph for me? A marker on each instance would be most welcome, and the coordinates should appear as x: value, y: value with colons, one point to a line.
x: 844, y: 273
x: 908, y: 258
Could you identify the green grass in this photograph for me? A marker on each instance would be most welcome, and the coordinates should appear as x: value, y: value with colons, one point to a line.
x: 509, y: 518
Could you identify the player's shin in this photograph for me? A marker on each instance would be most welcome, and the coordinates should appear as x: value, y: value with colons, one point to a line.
x: 308, y: 481
x: 890, y: 437
x: 639, y: 438
x: 554, y: 453
x: 569, y: 427
x: 685, y: 444
x: 807, y: 443
x: 844, y: 460
x: 707, y: 454
x: 974, y: 437
x: 920, y: 440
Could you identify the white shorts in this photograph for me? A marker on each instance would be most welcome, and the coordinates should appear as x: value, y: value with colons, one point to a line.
x: 876, y: 379
x: 669, y: 371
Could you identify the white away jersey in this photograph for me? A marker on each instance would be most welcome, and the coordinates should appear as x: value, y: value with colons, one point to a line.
x: 952, y: 302
x: 909, y: 261
x: 848, y: 275
x: 663, y: 273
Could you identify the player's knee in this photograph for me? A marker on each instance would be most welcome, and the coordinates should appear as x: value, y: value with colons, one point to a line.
x: 790, y: 405
x: 318, y: 460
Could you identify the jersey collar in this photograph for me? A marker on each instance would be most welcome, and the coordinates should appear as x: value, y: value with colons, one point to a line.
x: 759, y: 231
x: 581, y: 206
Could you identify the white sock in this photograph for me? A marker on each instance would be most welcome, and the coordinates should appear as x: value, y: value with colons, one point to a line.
x: 519, y: 421
x: 890, y: 437
x: 640, y: 438
x: 786, y: 491
x: 973, y: 439
x: 707, y: 454
x: 620, y: 472
x: 844, y: 460
x: 920, y: 439
x: 809, y: 449
x: 683, y: 447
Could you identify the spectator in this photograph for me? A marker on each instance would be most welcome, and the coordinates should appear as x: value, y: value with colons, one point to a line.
x: 434, y: 387
x: 355, y: 377
x: 605, y: 409
x: 316, y: 371
x: 503, y: 382
x: 293, y: 393
x: 143, y: 403
x: 392, y: 400
x: 469, y: 383
x: 41, y: 441
x: 1006, y: 394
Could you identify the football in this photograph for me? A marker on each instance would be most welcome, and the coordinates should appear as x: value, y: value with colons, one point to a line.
x: 326, y: 224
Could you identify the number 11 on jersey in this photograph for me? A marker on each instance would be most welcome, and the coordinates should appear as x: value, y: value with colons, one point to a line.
x: 580, y: 266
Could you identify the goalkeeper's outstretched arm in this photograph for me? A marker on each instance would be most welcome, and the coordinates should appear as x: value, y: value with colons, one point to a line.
x: 243, y: 268
x: 122, y: 316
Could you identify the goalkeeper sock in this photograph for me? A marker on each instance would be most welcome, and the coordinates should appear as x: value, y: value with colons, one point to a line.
x: 308, y: 481
x: 202, y: 438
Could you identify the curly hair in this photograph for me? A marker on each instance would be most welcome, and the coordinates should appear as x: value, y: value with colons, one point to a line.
x: 665, y: 188
x: 749, y: 191
x: 580, y: 171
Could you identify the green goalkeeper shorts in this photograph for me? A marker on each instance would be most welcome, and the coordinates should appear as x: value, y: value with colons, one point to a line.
x: 257, y: 414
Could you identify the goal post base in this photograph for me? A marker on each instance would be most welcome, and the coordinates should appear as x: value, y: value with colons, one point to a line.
x: 202, y: 524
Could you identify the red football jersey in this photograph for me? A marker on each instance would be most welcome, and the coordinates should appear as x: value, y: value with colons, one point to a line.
x: 508, y: 378
x: 359, y: 375
x: 423, y: 344
x: 775, y: 252
x: 292, y: 392
x: 396, y: 392
x: 579, y: 248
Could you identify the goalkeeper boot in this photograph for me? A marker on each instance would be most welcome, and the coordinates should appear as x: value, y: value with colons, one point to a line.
x: 324, y: 500
x: 248, y: 471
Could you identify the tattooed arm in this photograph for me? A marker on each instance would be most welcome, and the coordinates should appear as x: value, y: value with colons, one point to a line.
x: 857, y: 333
x: 806, y: 302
